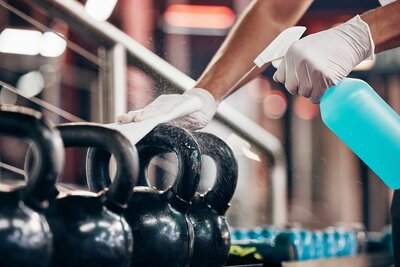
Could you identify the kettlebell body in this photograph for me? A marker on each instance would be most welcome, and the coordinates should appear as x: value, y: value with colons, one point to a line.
x: 163, y: 234
x: 89, y: 228
x: 207, y: 212
x: 212, y: 235
x: 25, y: 236
x: 159, y: 228
x: 88, y: 234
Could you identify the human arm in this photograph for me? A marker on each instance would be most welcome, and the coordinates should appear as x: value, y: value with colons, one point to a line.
x: 321, y: 60
x: 258, y: 25
x: 384, y: 24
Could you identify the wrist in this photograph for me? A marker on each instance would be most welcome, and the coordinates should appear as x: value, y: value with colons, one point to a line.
x: 366, y: 29
x: 204, y: 95
x: 384, y: 25
x: 358, y: 32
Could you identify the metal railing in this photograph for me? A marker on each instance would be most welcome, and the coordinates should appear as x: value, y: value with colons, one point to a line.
x: 120, y: 50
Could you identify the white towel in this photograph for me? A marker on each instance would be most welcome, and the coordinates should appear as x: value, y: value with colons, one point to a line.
x: 386, y: 2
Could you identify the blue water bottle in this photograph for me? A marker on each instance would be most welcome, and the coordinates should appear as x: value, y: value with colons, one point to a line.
x: 367, y: 125
x: 317, y: 248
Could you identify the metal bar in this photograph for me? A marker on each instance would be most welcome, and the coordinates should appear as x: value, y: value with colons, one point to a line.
x: 112, y: 83
x: 56, y: 110
x: 106, y: 34
x: 120, y: 80
x: 12, y: 168
x: 74, y: 47
x: 100, y: 100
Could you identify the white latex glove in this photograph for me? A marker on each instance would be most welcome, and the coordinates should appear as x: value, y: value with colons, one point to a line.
x: 166, y: 103
x: 321, y: 60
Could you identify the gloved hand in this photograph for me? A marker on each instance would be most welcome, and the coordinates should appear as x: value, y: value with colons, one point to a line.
x: 166, y: 103
x: 319, y: 61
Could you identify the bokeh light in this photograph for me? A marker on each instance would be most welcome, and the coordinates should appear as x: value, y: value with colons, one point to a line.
x: 30, y: 84
x: 305, y: 109
x: 275, y: 104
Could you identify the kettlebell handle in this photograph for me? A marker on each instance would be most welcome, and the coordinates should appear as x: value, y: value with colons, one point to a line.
x: 161, y: 139
x: 221, y: 193
x: 47, y: 148
x: 96, y: 135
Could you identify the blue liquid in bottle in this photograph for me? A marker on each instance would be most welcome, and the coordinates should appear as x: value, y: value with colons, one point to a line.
x: 367, y: 125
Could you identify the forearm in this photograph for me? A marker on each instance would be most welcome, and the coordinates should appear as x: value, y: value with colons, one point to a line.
x: 262, y: 21
x: 384, y: 24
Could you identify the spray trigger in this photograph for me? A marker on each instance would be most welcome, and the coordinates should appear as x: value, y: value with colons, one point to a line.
x: 277, y: 49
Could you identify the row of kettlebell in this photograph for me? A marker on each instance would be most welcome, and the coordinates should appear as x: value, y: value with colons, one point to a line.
x: 117, y: 224
x: 277, y: 244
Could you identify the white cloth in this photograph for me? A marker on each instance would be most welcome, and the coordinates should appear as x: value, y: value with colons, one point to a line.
x: 166, y: 103
x: 319, y: 61
x: 386, y: 2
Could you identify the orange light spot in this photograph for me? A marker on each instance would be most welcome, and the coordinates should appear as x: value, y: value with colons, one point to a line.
x: 199, y: 16
x: 275, y: 104
x: 305, y: 109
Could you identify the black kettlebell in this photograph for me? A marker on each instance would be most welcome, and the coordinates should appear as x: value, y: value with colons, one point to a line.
x: 88, y: 228
x: 162, y: 232
x: 25, y: 236
x: 395, y: 213
x: 211, y: 230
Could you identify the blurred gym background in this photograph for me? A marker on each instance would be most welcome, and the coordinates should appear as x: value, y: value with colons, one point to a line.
x: 84, y: 61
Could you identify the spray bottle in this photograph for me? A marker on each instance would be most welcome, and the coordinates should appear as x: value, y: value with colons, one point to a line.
x: 355, y: 113
x: 367, y: 125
